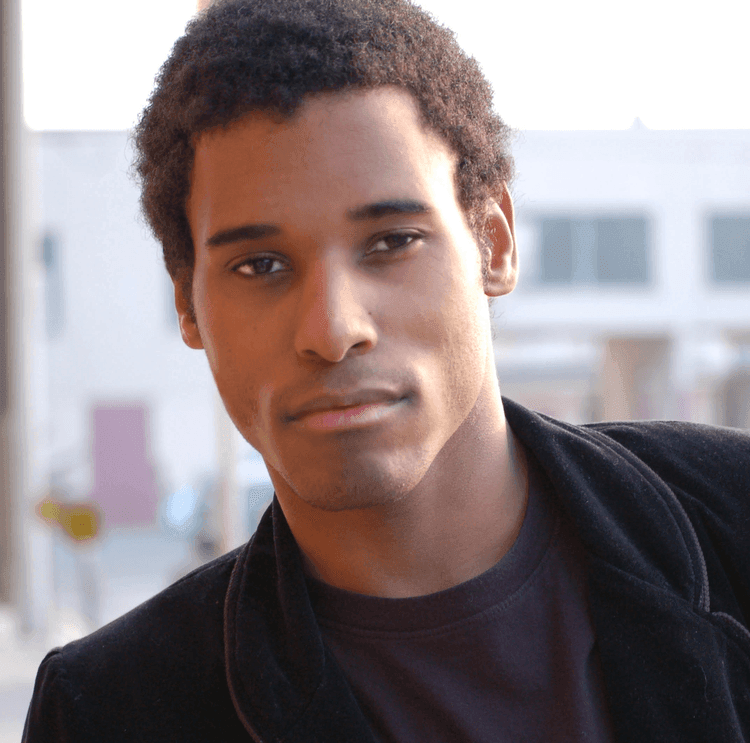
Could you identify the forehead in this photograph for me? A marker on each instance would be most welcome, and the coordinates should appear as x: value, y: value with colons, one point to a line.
x: 338, y: 151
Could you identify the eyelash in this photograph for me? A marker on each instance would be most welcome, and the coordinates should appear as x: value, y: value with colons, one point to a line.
x: 257, y: 259
x: 409, y: 237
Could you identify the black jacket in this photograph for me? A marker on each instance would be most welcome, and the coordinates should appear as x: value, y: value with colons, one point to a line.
x: 232, y: 652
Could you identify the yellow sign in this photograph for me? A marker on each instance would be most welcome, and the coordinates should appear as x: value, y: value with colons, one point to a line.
x: 80, y: 521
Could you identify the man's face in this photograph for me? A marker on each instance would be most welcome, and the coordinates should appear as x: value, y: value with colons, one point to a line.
x: 338, y: 294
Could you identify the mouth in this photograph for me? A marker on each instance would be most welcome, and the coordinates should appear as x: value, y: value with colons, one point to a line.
x: 356, y: 416
x: 358, y: 410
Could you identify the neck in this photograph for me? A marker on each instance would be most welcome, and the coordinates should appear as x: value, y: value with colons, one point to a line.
x: 460, y: 520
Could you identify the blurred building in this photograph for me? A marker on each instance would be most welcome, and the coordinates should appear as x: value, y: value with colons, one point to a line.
x: 634, y: 302
x: 634, y: 299
x: 133, y: 412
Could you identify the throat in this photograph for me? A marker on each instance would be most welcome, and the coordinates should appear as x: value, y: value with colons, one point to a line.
x: 433, y: 539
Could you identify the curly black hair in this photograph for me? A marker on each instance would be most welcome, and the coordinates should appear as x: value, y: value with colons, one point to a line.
x: 239, y: 56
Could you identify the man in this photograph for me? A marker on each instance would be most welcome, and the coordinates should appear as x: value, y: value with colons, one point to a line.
x: 329, y: 184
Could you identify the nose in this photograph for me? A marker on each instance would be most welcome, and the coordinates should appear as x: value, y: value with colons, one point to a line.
x: 332, y: 320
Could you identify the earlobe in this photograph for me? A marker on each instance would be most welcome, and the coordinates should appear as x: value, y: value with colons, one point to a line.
x: 186, y: 315
x: 501, y: 263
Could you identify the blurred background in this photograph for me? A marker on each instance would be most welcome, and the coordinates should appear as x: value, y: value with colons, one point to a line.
x: 120, y: 469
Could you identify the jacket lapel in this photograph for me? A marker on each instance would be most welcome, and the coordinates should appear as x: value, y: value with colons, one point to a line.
x: 285, y: 684
x: 668, y: 666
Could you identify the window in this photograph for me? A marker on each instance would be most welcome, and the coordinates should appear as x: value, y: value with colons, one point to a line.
x: 601, y: 250
x: 730, y: 248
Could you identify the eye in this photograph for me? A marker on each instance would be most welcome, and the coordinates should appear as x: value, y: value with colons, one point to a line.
x: 263, y: 265
x: 393, y: 242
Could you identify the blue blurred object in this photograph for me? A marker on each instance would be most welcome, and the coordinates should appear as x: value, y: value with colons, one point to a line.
x: 181, y: 510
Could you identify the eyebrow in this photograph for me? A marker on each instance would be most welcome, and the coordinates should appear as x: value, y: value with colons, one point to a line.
x: 376, y: 210
x: 245, y: 232
x: 388, y: 208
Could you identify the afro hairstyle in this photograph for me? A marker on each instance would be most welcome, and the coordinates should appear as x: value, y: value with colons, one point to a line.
x: 238, y: 56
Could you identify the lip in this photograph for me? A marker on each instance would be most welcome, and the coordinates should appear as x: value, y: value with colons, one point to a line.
x: 356, y: 416
x: 350, y: 410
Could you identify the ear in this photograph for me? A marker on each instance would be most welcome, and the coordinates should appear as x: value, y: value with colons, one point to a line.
x: 501, y: 265
x: 186, y: 314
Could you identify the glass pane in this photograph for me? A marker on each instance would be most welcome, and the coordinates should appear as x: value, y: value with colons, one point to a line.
x: 730, y: 241
x: 556, y: 253
x: 621, y: 250
x: 583, y: 234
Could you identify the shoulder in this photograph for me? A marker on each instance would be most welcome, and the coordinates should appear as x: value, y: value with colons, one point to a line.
x: 188, y: 612
x: 676, y: 437
x: 706, y: 468
x: 152, y: 669
x: 693, y: 457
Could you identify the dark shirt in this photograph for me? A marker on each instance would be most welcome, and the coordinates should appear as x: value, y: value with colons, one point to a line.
x: 507, y: 656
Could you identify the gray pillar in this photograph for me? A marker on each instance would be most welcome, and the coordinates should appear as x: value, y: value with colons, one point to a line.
x: 25, y: 564
x: 10, y: 110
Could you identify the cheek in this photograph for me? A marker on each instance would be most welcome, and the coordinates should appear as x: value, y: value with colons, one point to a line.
x: 227, y: 329
x: 445, y: 317
x: 467, y: 339
x: 466, y: 349
x: 240, y: 353
x: 440, y: 303
x: 461, y: 302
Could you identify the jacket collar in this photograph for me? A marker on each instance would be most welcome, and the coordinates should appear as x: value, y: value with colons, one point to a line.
x: 624, y: 513
x: 669, y: 670
x: 284, y: 682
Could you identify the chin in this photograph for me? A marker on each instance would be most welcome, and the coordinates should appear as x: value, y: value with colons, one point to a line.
x: 359, y: 485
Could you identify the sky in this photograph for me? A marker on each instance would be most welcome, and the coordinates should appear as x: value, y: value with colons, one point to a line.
x: 579, y: 64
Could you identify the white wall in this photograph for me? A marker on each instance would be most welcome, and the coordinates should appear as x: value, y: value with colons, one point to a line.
x: 119, y: 341
x: 677, y: 178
